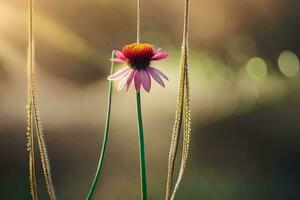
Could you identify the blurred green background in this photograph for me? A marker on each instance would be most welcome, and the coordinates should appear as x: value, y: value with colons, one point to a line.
x: 245, y: 96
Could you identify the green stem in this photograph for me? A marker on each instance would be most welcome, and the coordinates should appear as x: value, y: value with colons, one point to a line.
x: 105, y: 137
x: 142, y: 147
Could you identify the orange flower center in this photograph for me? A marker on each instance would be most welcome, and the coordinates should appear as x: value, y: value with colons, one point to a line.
x: 139, y: 54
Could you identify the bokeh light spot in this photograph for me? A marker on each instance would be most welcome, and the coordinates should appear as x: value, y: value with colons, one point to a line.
x: 288, y: 63
x: 256, y: 68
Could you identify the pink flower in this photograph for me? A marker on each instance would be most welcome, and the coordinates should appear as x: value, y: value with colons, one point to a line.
x: 138, y: 57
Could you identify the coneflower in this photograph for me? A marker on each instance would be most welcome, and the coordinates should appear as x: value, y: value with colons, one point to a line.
x: 138, y: 57
x: 183, y: 114
x: 33, y: 119
x: 139, y: 70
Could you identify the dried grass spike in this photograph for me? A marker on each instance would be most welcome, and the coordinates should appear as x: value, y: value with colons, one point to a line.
x: 43, y: 153
x: 29, y: 120
x: 33, y: 116
x: 175, y: 134
x: 183, y: 114
x: 187, y: 135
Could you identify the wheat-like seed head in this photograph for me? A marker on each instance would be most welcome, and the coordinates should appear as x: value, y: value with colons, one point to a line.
x: 29, y: 128
x: 187, y: 134
x: 183, y: 114
x: 33, y: 117
x: 175, y: 134
x: 43, y: 152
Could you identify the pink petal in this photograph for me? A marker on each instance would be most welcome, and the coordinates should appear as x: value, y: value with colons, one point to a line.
x: 120, y: 55
x: 137, y: 80
x: 159, y: 56
x: 156, y: 76
x: 157, y: 50
x: 124, y: 80
x: 119, y: 74
x: 130, y: 79
x: 159, y: 72
x: 118, y: 60
x: 145, y: 79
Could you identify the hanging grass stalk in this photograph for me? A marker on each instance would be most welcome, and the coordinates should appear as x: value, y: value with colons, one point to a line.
x: 43, y: 152
x: 33, y: 119
x: 105, y: 137
x: 29, y: 129
x: 29, y: 132
x: 187, y: 134
x: 182, y: 116
x: 138, y: 22
x: 175, y: 135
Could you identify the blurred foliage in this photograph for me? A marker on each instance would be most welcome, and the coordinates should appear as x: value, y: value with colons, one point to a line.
x: 245, y: 97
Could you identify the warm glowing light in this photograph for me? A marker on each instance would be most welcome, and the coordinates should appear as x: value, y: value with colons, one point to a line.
x: 257, y: 68
x: 288, y: 63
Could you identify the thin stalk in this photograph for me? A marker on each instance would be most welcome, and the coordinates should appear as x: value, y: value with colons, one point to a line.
x: 186, y: 136
x: 183, y: 114
x: 29, y: 107
x: 175, y: 135
x: 30, y: 149
x: 34, y: 185
x: 43, y: 151
x: 33, y: 116
x: 138, y: 26
x: 105, y: 138
x: 142, y: 147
